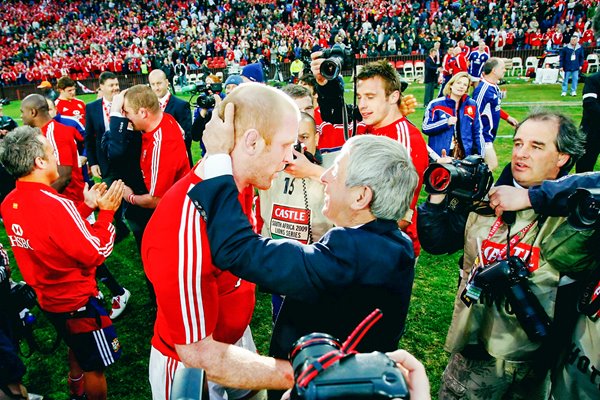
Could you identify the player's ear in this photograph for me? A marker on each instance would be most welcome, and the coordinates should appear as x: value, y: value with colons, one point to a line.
x: 252, y: 141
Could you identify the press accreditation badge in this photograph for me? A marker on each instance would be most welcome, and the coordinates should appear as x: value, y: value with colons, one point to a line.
x: 573, y: 57
x: 290, y: 223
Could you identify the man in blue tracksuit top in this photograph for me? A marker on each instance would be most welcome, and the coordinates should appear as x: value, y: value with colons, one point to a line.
x: 571, y: 61
x: 488, y: 97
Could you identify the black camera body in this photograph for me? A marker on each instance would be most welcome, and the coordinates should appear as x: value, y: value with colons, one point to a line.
x: 205, y: 94
x: 467, y: 179
x: 353, y: 376
x: 509, y: 277
x: 584, y: 208
x: 336, y: 58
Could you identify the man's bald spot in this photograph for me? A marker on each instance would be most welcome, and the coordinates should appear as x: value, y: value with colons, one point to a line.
x: 35, y: 102
x: 157, y: 74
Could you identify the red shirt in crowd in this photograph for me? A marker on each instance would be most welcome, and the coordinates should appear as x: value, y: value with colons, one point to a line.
x: 73, y: 108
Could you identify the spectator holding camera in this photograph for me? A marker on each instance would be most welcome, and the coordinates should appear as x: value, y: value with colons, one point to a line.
x: 57, y: 252
x: 490, y: 342
x: 452, y: 122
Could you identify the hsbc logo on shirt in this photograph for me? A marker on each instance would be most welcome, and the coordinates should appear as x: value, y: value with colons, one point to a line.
x: 17, y: 240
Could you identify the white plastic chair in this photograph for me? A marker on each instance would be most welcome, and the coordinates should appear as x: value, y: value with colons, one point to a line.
x: 517, y: 64
x: 531, y: 62
x: 409, y: 70
x: 419, y: 69
x: 593, y: 63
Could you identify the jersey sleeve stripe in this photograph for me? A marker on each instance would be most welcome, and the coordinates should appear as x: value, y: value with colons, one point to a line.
x: 52, y: 140
x: 154, y: 168
x: 69, y: 206
x: 190, y: 273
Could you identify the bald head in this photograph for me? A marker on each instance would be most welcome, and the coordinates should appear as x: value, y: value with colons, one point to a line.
x: 158, y: 82
x: 259, y: 107
x: 34, y: 110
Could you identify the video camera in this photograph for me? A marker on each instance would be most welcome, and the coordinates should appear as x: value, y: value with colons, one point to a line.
x: 467, y: 179
x: 584, y: 208
x: 509, y: 277
x: 336, y: 58
x: 205, y: 93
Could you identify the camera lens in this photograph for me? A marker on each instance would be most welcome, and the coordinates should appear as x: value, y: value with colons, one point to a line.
x: 439, y: 179
x: 331, y: 68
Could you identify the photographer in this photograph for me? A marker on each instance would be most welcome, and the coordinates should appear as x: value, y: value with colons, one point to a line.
x: 491, y: 343
x: 576, y: 375
x: 12, y: 368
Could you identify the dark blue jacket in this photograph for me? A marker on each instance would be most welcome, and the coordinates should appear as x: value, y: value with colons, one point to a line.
x: 331, y: 285
x: 571, y: 59
x: 94, y: 131
x: 435, y: 125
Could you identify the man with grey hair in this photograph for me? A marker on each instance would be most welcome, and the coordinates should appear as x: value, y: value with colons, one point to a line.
x: 57, y: 252
x: 330, y: 286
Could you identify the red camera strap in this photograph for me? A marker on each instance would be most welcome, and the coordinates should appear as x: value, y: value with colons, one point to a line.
x: 330, y: 358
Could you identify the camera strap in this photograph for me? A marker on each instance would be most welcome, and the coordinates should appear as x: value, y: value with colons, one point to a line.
x: 471, y: 292
x: 348, y: 347
x: 511, y: 242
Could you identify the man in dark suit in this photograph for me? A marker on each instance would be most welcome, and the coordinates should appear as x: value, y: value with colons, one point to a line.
x: 97, y: 117
x: 96, y: 123
x: 169, y: 103
x: 330, y: 286
x: 432, y: 69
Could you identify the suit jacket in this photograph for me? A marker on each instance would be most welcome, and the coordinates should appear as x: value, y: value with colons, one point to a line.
x: 180, y: 110
x: 331, y: 286
x: 94, y: 131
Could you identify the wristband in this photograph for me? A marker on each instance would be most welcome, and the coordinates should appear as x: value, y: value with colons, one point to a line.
x: 131, y: 198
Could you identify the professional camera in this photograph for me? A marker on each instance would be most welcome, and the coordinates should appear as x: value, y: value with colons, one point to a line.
x: 584, y: 208
x: 509, y: 278
x: 337, y: 57
x: 300, y: 148
x: 352, y: 376
x: 468, y: 179
x: 205, y: 94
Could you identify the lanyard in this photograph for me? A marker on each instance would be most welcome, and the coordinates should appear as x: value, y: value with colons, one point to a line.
x: 516, y: 239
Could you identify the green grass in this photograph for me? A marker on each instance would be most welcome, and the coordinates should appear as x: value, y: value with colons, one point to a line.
x: 431, y: 304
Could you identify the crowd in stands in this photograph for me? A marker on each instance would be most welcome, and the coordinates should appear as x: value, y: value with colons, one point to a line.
x: 44, y: 40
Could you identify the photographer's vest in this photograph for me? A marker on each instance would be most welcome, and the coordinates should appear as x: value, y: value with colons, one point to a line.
x: 492, y: 324
x: 580, y: 377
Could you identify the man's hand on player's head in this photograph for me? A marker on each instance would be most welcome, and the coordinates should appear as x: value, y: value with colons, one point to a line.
x: 219, y: 135
x: 408, y: 104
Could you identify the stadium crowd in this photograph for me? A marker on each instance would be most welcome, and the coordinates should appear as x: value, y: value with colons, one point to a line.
x: 44, y: 40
